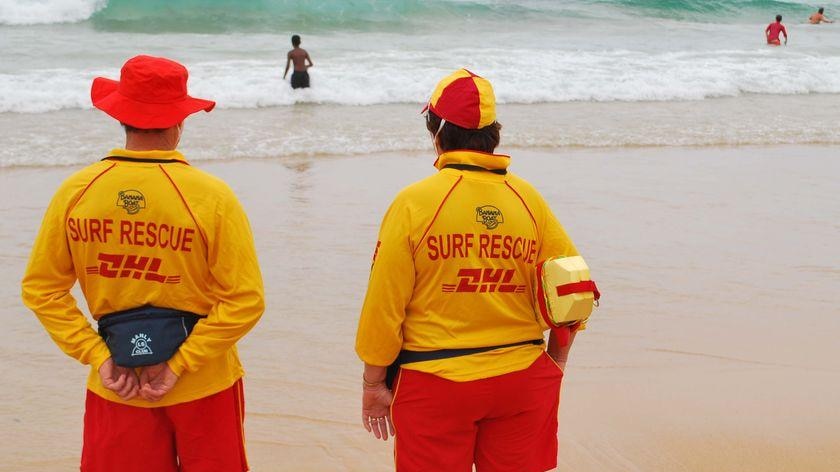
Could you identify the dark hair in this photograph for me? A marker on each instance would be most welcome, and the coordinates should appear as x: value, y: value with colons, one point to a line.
x: 452, y: 136
x: 295, y: 40
x: 778, y: 17
x: 132, y: 129
x: 821, y: 9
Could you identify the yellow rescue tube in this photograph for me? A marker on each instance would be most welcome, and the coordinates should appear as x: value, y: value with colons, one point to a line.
x: 565, y: 291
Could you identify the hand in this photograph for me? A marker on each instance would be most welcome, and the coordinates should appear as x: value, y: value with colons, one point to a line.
x: 121, y: 380
x: 376, y: 411
x: 156, y: 381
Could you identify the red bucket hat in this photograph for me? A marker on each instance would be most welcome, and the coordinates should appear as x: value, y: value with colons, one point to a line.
x: 464, y: 99
x: 151, y: 93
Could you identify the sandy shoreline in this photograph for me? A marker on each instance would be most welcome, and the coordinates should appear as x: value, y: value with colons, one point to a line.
x: 714, y: 349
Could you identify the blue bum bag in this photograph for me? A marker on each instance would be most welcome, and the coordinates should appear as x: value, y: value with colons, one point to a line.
x: 146, y: 335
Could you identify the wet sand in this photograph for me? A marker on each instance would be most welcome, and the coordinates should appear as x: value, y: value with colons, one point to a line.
x: 714, y: 348
x: 323, y: 130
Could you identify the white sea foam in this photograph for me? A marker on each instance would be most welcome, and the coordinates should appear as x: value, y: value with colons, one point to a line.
x: 35, y: 12
x: 605, y: 80
x: 518, y: 76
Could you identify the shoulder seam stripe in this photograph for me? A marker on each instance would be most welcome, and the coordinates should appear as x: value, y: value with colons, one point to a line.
x: 425, y: 233
x: 189, y: 210
x: 87, y: 187
x: 533, y: 220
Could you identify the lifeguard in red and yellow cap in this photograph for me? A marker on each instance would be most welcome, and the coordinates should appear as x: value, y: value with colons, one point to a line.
x: 453, y: 345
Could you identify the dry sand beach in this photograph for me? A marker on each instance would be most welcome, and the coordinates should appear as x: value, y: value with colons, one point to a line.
x: 714, y: 348
x: 695, y: 168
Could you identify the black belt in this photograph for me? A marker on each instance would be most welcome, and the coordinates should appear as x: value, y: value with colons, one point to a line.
x: 410, y: 357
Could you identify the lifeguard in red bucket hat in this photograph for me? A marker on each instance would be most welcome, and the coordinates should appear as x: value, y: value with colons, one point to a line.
x: 166, y: 262
x: 151, y: 94
x: 455, y: 361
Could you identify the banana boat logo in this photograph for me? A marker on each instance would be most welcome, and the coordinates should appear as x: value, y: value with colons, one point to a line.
x: 490, y: 216
x: 132, y: 200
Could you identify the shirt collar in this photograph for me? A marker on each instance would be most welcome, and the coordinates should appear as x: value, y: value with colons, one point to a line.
x: 172, y: 155
x: 475, y: 158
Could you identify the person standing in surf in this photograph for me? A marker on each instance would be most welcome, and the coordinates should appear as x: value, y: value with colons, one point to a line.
x: 300, y: 58
x: 773, y: 30
x: 819, y: 17
x: 451, y: 298
x: 165, y: 259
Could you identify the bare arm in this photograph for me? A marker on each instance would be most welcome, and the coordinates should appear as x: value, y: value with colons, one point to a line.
x: 560, y: 354
x: 288, y: 63
x: 309, y: 60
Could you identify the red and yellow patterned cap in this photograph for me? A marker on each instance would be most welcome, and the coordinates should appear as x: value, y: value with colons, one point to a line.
x: 464, y: 99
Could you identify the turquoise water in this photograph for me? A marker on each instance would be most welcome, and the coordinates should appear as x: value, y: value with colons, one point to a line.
x: 383, y: 53
x: 221, y: 16
x: 270, y: 15
x: 711, y: 10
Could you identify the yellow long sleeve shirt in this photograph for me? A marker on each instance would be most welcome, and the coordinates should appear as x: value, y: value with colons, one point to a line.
x: 454, y: 268
x: 146, y: 228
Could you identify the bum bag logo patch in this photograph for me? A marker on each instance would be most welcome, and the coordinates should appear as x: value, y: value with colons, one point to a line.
x: 141, y: 345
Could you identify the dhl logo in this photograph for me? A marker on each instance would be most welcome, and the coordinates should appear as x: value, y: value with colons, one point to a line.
x: 129, y: 266
x: 484, y: 281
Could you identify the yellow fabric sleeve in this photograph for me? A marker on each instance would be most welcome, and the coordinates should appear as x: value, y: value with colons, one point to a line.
x: 555, y: 243
x: 46, y: 287
x: 379, y: 337
x: 235, y: 281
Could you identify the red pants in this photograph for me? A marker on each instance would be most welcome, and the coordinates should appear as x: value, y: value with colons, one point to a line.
x: 203, y: 435
x: 505, y: 423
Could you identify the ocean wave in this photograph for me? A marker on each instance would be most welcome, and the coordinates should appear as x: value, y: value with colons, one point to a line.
x: 519, y: 76
x: 266, y: 15
x: 711, y: 10
x: 221, y: 16
x: 23, y: 12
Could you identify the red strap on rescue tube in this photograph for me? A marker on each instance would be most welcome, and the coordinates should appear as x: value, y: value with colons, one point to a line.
x: 578, y: 287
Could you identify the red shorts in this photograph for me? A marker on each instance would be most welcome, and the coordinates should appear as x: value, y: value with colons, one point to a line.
x: 203, y: 435
x: 505, y: 423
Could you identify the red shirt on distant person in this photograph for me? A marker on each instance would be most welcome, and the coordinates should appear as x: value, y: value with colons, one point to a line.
x: 773, y: 30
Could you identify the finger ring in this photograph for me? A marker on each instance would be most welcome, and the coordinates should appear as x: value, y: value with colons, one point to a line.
x: 381, y: 419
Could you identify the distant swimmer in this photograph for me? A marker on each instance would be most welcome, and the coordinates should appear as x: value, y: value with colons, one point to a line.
x: 772, y: 32
x: 298, y: 55
x: 819, y: 17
